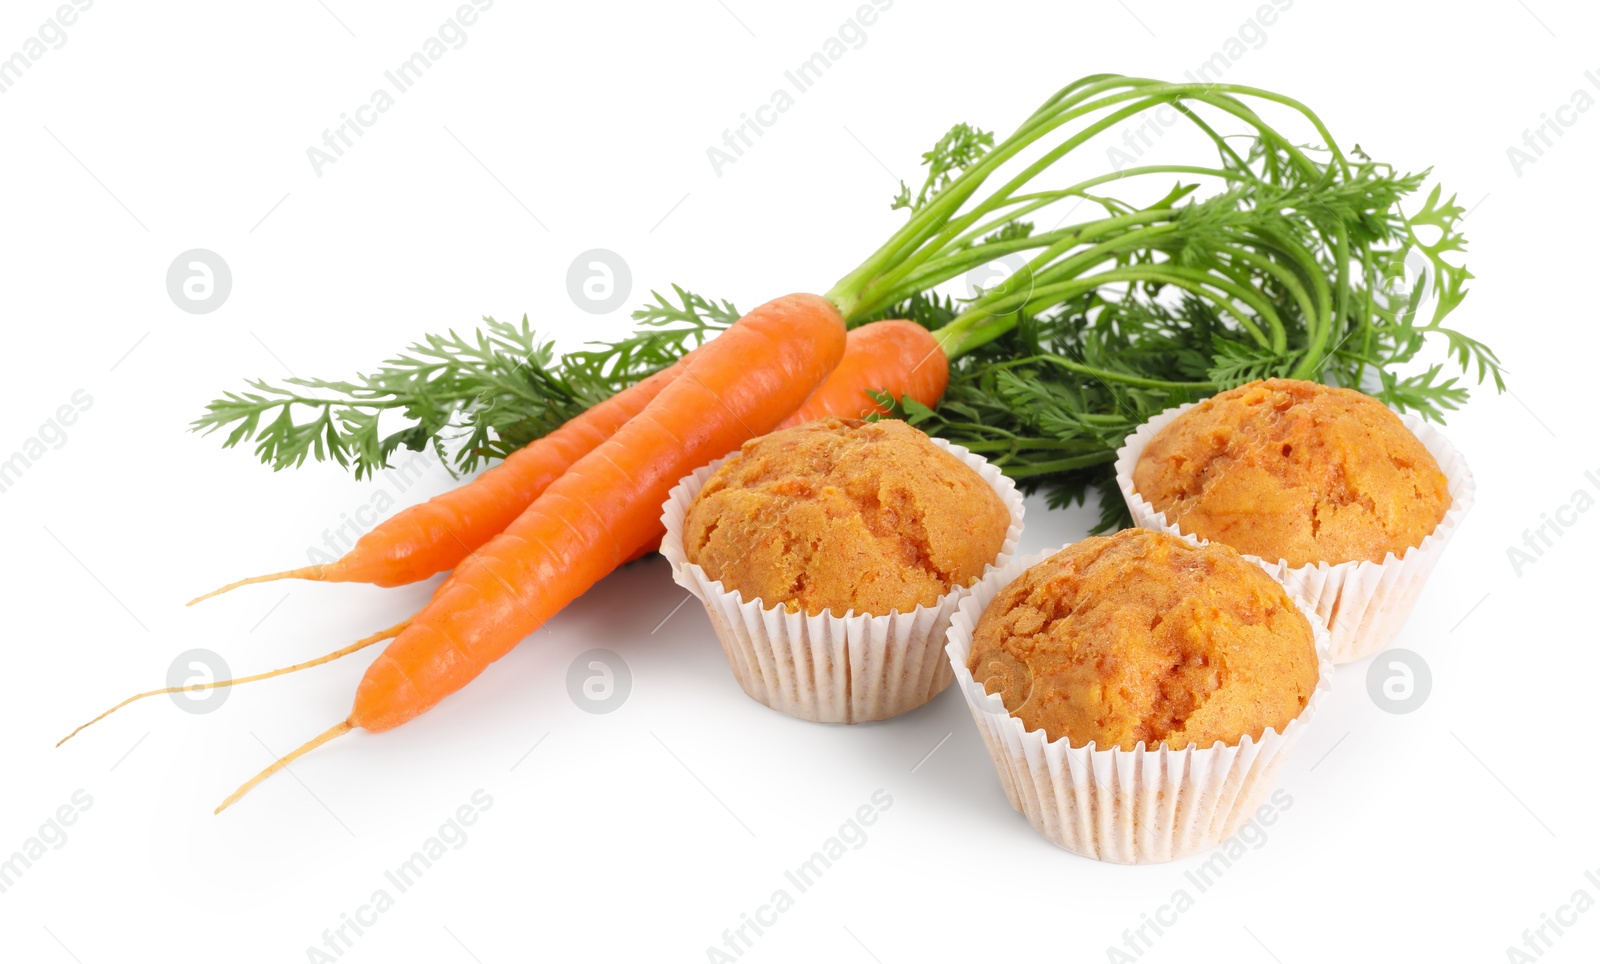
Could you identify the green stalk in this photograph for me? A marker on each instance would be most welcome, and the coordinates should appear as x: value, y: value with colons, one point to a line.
x: 1054, y: 243
x: 1062, y: 465
x: 927, y: 222
x: 900, y: 256
x: 907, y: 248
x: 1312, y: 362
x: 978, y: 325
x: 1105, y: 374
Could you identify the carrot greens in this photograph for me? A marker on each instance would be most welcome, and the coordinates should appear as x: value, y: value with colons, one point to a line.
x: 1273, y: 252
x: 488, y: 393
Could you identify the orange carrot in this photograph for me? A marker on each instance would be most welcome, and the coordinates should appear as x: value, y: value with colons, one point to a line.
x: 740, y: 385
x: 436, y: 535
x: 897, y: 357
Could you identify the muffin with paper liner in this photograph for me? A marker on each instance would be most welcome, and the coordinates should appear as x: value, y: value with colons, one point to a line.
x: 1137, y: 692
x: 1347, y: 503
x: 830, y: 556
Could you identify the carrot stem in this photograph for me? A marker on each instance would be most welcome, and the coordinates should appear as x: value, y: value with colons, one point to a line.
x: 339, y: 729
x: 305, y: 572
x: 359, y: 644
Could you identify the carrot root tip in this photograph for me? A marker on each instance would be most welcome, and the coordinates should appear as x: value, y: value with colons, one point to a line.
x: 316, y: 572
x: 337, y: 730
x: 359, y: 644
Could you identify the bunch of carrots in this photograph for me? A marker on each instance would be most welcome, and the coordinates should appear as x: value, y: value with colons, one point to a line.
x: 530, y: 535
x: 536, y: 531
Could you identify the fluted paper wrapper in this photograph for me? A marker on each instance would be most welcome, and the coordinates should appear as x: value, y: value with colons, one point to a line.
x: 1364, y: 604
x: 1144, y: 806
x: 825, y: 668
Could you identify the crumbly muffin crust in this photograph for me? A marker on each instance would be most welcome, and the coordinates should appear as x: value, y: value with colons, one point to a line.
x: 1295, y: 470
x: 1142, y: 637
x: 844, y: 514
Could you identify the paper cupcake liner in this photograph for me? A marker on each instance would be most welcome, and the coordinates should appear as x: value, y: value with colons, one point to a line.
x: 1147, y: 805
x: 825, y: 668
x: 1364, y: 604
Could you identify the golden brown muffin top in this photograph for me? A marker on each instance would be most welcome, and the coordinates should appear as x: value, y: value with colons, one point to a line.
x: 1294, y: 470
x: 843, y: 514
x: 1141, y: 636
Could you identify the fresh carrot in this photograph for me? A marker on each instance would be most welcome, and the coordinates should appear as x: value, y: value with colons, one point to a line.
x: 436, y: 535
x: 741, y: 384
x: 895, y: 357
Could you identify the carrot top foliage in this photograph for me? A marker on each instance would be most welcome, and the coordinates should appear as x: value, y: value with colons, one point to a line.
x: 489, y: 392
x: 1277, y: 253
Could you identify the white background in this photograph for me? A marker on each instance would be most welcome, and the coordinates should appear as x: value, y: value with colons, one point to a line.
x: 643, y: 834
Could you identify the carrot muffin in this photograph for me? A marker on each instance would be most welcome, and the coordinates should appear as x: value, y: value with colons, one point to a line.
x: 1294, y: 470
x: 844, y: 514
x: 1141, y: 636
